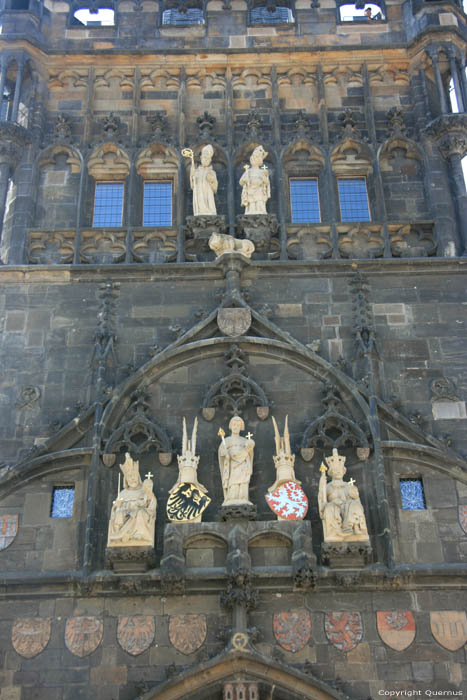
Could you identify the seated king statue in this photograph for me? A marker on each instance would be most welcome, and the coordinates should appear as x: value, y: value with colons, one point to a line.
x: 133, y: 516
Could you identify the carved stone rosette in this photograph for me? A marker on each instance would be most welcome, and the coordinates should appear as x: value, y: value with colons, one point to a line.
x: 262, y: 229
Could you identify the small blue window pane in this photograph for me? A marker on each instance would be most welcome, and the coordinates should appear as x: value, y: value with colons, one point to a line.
x: 304, y: 201
x: 62, y: 502
x: 353, y: 199
x: 108, y: 204
x: 278, y: 15
x: 192, y: 16
x: 412, y: 495
x: 157, y: 210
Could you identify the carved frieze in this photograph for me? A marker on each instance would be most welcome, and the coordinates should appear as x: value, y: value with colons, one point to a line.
x: 261, y: 229
x: 103, y: 247
x: 309, y: 242
x: 51, y: 247
x: 360, y: 241
x: 154, y: 247
x: 412, y: 240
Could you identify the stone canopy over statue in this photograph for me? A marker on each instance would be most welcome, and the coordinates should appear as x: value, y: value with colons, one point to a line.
x: 256, y: 189
x: 236, y: 463
x: 339, y: 503
x: 203, y: 181
x: 133, y: 516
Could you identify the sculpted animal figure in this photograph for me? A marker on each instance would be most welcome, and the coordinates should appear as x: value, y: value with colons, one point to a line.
x: 221, y: 243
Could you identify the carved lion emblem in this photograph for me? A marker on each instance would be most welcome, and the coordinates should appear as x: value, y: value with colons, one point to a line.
x: 222, y: 243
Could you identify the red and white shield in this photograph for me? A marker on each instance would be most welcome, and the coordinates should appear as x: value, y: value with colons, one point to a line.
x: 344, y: 629
x: 8, y: 529
x: 292, y: 629
x: 288, y: 501
x: 396, y: 628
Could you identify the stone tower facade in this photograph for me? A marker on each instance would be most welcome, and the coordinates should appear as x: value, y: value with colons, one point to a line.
x: 322, y: 285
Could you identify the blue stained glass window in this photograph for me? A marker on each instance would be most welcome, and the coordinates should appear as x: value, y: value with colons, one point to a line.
x: 304, y: 201
x: 192, y: 16
x: 278, y: 15
x: 157, y: 210
x: 108, y: 204
x: 62, y: 502
x: 353, y: 199
x: 412, y: 494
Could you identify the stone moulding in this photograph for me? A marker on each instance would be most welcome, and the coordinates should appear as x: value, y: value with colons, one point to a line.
x: 51, y: 247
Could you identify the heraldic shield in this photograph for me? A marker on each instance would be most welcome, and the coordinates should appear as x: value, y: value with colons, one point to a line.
x: 83, y: 635
x: 30, y: 635
x: 449, y: 628
x: 234, y: 322
x: 187, y: 632
x: 292, y: 629
x: 344, y: 629
x: 288, y: 501
x: 396, y: 628
x: 135, y: 633
x: 186, y: 503
x: 8, y: 530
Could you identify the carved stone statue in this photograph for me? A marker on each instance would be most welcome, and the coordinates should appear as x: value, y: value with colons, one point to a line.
x: 188, y: 498
x: 223, y: 243
x: 133, y: 516
x: 236, y: 463
x: 339, y: 503
x: 256, y: 189
x: 203, y: 182
x: 284, y: 460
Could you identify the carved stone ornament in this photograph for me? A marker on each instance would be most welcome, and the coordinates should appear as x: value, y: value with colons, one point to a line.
x: 396, y: 628
x: 449, y: 131
x: 187, y: 633
x: 346, y: 555
x: 133, y: 515
x: 221, y: 243
x: 154, y: 247
x: 463, y: 517
x: 235, y: 390
x: 130, y: 560
x: 443, y: 389
x: 138, y: 432
x: 334, y: 428
x: 135, y: 633
x: 449, y: 628
x: 13, y: 142
x: 412, y: 241
x: 51, y: 248
x: 30, y: 635
x: 234, y: 321
x: 103, y: 247
x: 235, y: 456
x: 344, y: 629
x: 8, y: 530
x: 339, y: 504
x: 262, y: 230
x: 309, y: 243
x: 83, y: 634
x: 360, y: 240
x: 292, y: 630
x: 198, y: 231
x: 240, y: 690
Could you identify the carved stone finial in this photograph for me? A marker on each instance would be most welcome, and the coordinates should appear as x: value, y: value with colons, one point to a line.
x: 111, y: 125
x: 348, y: 121
x: 396, y: 122
x: 206, y: 123
x: 302, y: 125
x: 158, y: 124
x: 253, y: 126
x: 62, y: 130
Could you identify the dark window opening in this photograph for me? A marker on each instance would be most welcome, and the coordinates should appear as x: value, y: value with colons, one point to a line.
x: 274, y: 15
x: 174, y: 17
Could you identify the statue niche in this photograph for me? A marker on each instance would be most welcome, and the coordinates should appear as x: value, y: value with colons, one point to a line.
x: 133, y: 515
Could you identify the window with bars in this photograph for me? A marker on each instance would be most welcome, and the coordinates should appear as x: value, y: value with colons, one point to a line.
x: 304, y: 201
x: 157, y: 204
x: 412, y: 494
x: 62, y: 502
x: 194, y: 15
x: 274, y: 15
x: 108, y: 204
x: 353, y: 199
